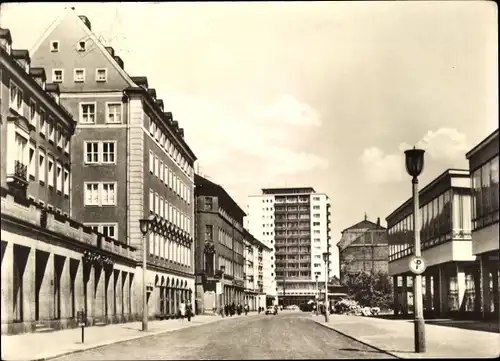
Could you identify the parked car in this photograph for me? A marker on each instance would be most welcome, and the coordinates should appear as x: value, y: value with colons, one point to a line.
x: 292, y: 307
x: 271, y: 310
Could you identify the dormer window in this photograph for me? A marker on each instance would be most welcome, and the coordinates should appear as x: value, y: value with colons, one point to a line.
x: 54, y: 46
x: 101, y: 75
x: 81, y: 46
x: 57, y: 75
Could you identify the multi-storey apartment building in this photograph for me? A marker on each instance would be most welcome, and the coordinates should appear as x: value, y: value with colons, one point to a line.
x: 51, y: 265
x: 130, y: 159
x: 363, y: 248
x: 483, y: 165
x: 449, y: 283
x: 295, y: 224
x: 219, y: 244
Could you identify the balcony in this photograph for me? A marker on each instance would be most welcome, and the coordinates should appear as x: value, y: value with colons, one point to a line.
x: 18, y: 178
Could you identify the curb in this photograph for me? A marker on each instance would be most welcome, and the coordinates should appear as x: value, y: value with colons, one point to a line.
x: 355, y: 339
x: 113, y: 342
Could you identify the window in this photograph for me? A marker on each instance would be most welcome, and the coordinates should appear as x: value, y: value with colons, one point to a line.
x: 66, y: 182
x: 209, y: 229
x: 81, y: 46
x: 170, y: 181
x: 16, y: 98
x: 108, y: 194
x: 151, y: 126
x: 101, y: 74
x: 208, y: 203
x: 315, y: 198
x: 59, y: 137
x: 165, y: 174
x: 32, y: 112
x: 51, y: 172
x: 108, y: 152
x: 54, y: 46
x: 92, y: 194
x: 91, y: 152
x: 151, y: 201
x: 87, y: 113
x: 114, y: 113
x: 157, y: 204
x: 155, y: 166
x: 41, y: 165
x: 32, y: 161
x: 315, y: 207
x: 59, y: 181
x: 151, y: 162
x: 79, y: 76
x: 161, y: 170
x: 158, y: 167
x: 66, y: 144
x: 316, y: 223
x: 43, y: 122
x: 162, y: 209
x: 51, y: 130
x: 57, y: 75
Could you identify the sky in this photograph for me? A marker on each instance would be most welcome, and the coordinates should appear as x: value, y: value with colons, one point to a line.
x: 320, y: 94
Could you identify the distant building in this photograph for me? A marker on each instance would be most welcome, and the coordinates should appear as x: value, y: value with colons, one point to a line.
x: 483, y: 165
x: 130, y: 159
x: 449, y: 286
x: 255, y: 252
x: 295, y: 224
x: 52, y: 266
x: 219, y: 243
x: 363, y: 248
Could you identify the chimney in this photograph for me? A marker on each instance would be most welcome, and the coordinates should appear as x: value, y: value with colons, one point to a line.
x: 181, y: 133
x: 110, y: 50
x: 169, y: 117
x: 159, y: 102
x: 141, y: 81
x: 53, y: 90
x: 22, y: 57
x: 119, y: 61
x: 86, y: 21
x: 378, y: 221
x: 5, y: 40
x: 38, y: 74
x: 175, y: 123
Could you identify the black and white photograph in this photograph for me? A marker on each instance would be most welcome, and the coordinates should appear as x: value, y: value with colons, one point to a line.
x: 249, y: 180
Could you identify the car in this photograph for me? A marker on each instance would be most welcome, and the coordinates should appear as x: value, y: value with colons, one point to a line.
x: 270, y: 310
x: 292, y: 307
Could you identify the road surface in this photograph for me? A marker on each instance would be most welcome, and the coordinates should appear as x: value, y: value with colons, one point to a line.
x: 284, y: 336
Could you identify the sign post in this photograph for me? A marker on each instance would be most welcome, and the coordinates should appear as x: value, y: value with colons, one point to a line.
x: 417, y: 265
x: 80, y: 315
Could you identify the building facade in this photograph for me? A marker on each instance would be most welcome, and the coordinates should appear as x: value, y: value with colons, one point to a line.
x: 363, y: 248
x: 219, y: 247
x: 254, y: 271
x: 450, y: 281
x: 130, y: 159
x: 52, y: 266
x: 483, y: 165
x: 295, y: 224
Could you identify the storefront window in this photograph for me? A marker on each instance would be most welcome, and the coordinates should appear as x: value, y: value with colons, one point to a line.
x: 453, y: 302
x: 470, y: 292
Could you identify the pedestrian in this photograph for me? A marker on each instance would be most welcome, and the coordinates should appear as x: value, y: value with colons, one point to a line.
x: 226, y: 309
x: 239, y: 309
x: 182, y: 309
x: 189, y: 311
x: 246, y: 309
x: 233, y: 309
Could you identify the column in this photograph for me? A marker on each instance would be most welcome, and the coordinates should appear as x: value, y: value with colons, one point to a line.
x: 91, y: 292
x: 428, y: 293
x: 436, y: 297
x: 176, y: 300
x: 443, y: 290
x: 169, y: 300
x: 46, y: 299
x: 404, y: 295
x: 117, y: 279
x: 29, y: 289
x: 126, y: 295
x: 132, y: 283
x: 79, y: 292
x: 7, y: 282
x: 65, y: 288
x: 110, y: 292
x: 395, y: 295
x: 99, y: 295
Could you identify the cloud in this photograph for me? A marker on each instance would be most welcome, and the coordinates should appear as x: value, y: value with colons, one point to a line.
x: 445, y: 144
x: 239, y: 146
x: 286, y: 109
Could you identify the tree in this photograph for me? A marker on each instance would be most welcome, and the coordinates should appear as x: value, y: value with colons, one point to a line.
x: 372, y: 290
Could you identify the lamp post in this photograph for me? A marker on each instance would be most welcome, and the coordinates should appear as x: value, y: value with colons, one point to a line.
x: 145, y: 227
x: 326, y: 258
x: 414, y: 166
x: 222, y: 303
x: 316, y: 275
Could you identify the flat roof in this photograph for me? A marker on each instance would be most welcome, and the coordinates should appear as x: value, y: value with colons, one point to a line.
x: 288, y: 190
x: 481, y: 145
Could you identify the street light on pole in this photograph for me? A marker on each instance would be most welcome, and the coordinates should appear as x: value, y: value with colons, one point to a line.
x: 414, y: 166
x: 326, y: 258
x: 316, y: 275
x: 145, y: 226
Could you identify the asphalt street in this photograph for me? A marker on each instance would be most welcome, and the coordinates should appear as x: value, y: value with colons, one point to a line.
x: 284, y: 336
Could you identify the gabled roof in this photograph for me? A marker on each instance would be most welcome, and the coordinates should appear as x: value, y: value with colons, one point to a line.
x: 364, y: 224
x: 71, y: 12
x: 204, y: 187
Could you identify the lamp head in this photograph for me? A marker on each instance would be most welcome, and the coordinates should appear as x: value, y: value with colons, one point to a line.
x: 144, y: 225
x: 223, y: 269
x: 326, y: 255
x: 414, y: 159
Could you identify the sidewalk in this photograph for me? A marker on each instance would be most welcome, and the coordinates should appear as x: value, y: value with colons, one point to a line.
x: 43, y: 346
x: 396, y: 337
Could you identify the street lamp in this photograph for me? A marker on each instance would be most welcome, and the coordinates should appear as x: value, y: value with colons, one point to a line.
x: 316, y: 275
x: 414, y: 166
x: 326, y: 258
x: 222, y: 303
x: 144, y: 225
